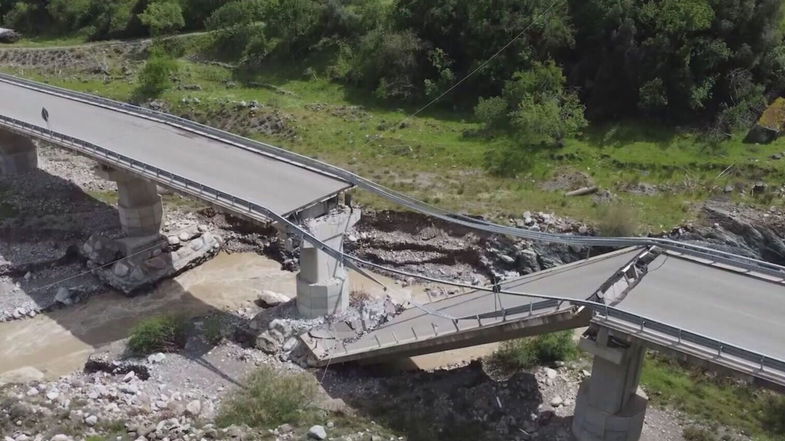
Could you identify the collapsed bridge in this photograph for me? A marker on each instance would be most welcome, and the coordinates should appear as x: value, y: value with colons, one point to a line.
x: 711, y: 306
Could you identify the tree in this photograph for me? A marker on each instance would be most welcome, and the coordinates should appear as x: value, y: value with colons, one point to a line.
x: 109, y: 19
x: 163, y: 17
x: 469, y: 32
x: 673, y: 59
x: 68, y: 15
x: 390, y: 63
x: 537, y: 105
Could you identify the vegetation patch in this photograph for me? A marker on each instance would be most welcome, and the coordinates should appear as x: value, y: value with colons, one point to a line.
x: 158, y: 334
x: 526, y: 353
x: 710, y: 399
x: 271, y: 398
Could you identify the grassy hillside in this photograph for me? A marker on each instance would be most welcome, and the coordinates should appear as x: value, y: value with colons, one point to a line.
x: 662, y: 173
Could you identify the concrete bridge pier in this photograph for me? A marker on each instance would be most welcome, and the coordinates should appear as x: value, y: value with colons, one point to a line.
x: 18, y: 153
x: 609, y: 406
x: 322, y: 283
x: 139, y: 205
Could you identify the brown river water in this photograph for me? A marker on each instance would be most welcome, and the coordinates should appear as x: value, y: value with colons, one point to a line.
x: 58, y: 342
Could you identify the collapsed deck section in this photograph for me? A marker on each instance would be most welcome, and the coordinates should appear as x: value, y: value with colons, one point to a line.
x: 475, y: 317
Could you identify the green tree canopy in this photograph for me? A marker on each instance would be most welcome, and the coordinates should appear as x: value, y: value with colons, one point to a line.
x: 163, y: 17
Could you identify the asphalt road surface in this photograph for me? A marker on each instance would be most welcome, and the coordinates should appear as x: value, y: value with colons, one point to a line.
x: 734, y: 308
x: 275, y: 185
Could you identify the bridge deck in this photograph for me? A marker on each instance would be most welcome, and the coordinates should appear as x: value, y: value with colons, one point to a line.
x: 279, y: 186
x: 736, y: 309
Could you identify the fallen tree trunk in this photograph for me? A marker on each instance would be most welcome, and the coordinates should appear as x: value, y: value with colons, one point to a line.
x: 582, y: 191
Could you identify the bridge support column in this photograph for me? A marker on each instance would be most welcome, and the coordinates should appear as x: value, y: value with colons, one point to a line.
x: 17, y: 153
x: 323, y: 284
x: 609, y: 406
x: 138, y: 202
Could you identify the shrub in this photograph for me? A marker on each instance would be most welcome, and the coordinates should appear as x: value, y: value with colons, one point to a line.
x: 693, y: 433
x: 526, y: 353
x: 155, y: 76
x: 158, y: 334
x: 213, y: 329
x: 492, y: 112
x: 774, y: 413
x: 270, y: 398
x: 508, y: 161
x: 618, y: 220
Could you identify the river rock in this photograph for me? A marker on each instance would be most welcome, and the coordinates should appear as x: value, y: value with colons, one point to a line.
x: 317, y: 432
x: 120, y: 269
x: 63, y: 296
x: 91, y: 420
x: 194, y: 408
x: 158, y: 357
x: 268, y: 299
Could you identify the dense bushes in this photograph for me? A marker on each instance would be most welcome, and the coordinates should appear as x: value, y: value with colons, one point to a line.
x: 676, y: 58
x: 544, y: 349
x: 157, y: 334
x: 537, y: 105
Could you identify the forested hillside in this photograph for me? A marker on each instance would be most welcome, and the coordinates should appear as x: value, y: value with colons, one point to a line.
x: 689, y: 61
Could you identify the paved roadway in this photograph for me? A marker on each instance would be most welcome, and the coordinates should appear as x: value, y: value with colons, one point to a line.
x: 728, y: 306
x: 279, y: 186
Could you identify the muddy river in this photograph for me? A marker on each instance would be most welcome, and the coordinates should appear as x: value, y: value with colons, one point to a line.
x: 58, y: 342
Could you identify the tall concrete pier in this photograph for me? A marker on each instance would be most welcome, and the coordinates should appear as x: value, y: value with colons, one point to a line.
x: 17, y: 153
x: 323, y: 284
x: 609, y: 406
x: 138, y: 203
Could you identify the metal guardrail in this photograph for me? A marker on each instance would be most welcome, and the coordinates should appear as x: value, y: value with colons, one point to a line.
x: 261, y: 213
x: 402, y: 199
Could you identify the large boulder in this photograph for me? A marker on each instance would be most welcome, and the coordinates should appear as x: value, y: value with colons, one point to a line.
x: 770, y: 125
x: 9, y: 35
